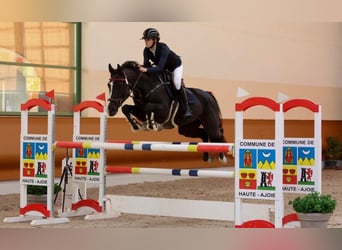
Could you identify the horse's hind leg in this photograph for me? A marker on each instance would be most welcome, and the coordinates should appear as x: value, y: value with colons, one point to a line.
x: 193, y: 130
x: 216, y: 134
x: 220, y: 138
x: 222, y: 156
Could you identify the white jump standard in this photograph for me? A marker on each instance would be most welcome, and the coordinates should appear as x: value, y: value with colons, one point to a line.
x: 37, y: 166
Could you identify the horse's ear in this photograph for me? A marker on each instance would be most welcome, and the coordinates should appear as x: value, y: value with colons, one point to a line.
x: 110, y: 68
x: 119, y: 68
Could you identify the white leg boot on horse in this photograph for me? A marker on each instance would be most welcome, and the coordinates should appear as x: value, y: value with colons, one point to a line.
x: 183, y: 99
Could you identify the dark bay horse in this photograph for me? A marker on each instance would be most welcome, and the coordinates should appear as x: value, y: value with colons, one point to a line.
x: 155, y: 106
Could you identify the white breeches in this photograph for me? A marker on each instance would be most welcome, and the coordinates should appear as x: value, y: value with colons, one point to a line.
x: 177, y: 76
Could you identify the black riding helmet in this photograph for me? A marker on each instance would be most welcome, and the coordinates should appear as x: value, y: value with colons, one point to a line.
x: 151, y: 33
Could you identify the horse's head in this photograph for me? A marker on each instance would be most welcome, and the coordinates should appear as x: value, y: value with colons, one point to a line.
x: 118, y: 89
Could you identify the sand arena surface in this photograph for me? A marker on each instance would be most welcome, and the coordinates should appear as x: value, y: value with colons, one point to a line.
x: 219, y: 189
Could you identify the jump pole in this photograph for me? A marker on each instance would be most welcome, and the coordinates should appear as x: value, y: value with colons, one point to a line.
x: 230, y: 145
x: 174, y: 172
x: 37, y: 163
x: 162, y: 147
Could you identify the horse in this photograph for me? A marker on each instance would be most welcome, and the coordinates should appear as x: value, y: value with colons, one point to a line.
x: 156, y: 107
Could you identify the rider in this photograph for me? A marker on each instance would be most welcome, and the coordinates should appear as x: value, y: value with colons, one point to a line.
x: 163, y: 58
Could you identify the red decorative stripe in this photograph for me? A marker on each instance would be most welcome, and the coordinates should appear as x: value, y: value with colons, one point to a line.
x: 88, y: 104
x: 36, y: 102
x: 38, y: 207
x: 295, y: 103
x: 119, y: 170
x: 255, y: 224
x: 290, y: 218
x: 255, y: 101
x: 87, y: 203
x: 212, y: 148
x: 69, y: 144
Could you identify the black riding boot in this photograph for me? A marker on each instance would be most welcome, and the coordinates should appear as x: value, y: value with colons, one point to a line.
x: 184, y: 103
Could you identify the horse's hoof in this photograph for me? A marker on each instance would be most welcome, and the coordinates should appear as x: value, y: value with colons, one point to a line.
x: 135, y: 127
x: 223, y: 159
x: 157, y: 127
x: 208, y: 158
x: 144, y: 127
x: 211, y: 159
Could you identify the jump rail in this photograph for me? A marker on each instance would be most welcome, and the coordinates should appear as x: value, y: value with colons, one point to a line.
x: 174, y: 172
x: 231, y: 150
x: 201, y: 147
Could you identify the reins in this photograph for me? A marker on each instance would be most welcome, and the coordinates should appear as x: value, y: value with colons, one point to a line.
x: 151, y: 91
x: 155, y: 88
x: 137, y: 81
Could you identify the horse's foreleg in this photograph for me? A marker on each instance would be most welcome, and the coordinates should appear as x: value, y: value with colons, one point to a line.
x: 223, y: 158
x: 131, y: 112
x: 151, y: 122
x: 155, y: 116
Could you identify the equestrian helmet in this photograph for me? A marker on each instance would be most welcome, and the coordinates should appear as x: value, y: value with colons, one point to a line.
x: 151, y: 33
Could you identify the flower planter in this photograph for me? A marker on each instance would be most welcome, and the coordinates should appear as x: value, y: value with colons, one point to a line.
x: 310, y: 220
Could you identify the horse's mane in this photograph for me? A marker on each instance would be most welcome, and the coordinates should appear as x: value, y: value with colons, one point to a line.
x: 134, y: 66
x: 130, y: 65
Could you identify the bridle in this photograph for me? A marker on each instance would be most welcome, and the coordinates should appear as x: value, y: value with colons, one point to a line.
x: 132, y: 87
x: 124, y: 79
x: 112, y: 80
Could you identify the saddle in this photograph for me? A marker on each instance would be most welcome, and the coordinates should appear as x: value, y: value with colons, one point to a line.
x: 165, y: 77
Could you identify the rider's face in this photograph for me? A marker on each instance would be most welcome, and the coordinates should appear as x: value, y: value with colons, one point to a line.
x: 148, y: 42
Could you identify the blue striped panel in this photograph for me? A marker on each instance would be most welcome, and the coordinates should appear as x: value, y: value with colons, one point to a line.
x: 193, y: 143
x: 129, y: 146
x: 176, y: 172
x: 146, y: 147
x: 193, y: 172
